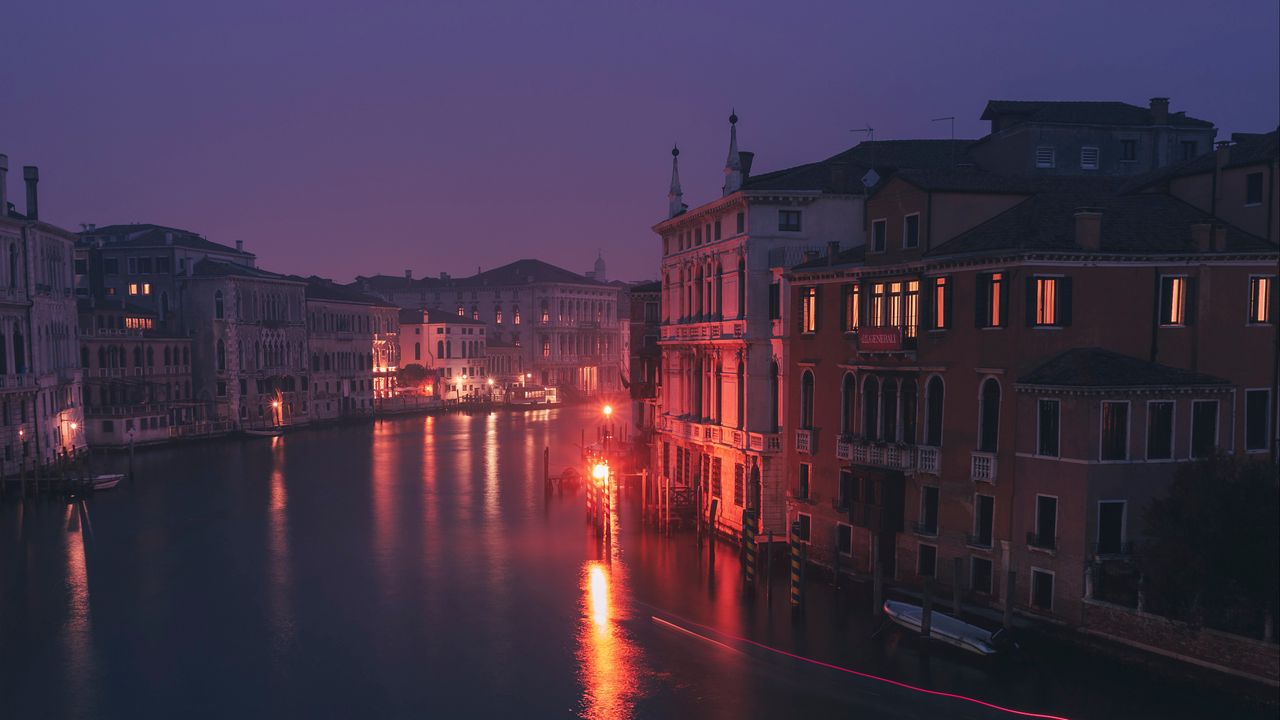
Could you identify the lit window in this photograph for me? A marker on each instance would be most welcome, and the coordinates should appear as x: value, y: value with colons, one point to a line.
x: 1261, y: 297
x: 1052, y: 302
x: 911, y: 308
x: 991, y: 300
x: 809, y: 309
x: 895, y: 304
x: 515, y: 315
x: 146, y: 288
x: 911, y: 231
x: 133, y: 288
x: 877, y: 305
x: 940, y: 305
x: 852, y: 302
x: 1173, y: 299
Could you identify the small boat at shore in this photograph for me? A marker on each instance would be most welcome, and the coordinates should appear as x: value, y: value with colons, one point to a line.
x: 265, y: 432
x: 106, y: 482
x: 945, y: 628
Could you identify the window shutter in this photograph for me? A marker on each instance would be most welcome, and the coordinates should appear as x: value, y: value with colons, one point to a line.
x: 817, y: 308
x: 1189, y: 316
x: 980, y: 300
x: 1004, y: 299
x: 1031, y: 301
x: 946, y: 303
x: 1064, y: 302
x: 1164, y: 311
x: 926, y: 307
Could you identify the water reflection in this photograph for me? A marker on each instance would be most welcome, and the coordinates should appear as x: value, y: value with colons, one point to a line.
x: 77, y: 630
x: 608, y: 658
x: 281, y: 576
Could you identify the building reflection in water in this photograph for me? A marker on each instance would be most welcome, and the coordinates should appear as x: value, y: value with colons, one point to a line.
x: 280, y: 558
x: 608, y: 659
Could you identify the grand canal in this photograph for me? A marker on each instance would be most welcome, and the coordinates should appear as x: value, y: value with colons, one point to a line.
x: 414, y: 568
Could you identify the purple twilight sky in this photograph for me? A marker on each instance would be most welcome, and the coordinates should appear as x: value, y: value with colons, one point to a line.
x: 345, y: 138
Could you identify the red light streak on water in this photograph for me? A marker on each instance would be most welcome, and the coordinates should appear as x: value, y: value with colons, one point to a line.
x: 850, y: 671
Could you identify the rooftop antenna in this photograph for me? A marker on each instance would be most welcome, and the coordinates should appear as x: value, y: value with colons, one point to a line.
x: 952, y: 118
x: 872, y: 177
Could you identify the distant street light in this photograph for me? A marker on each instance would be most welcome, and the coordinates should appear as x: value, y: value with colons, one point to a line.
x: 600, y: 471
x: 608, y: 410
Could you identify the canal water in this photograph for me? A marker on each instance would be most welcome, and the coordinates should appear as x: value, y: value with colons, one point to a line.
x: 414, y: 568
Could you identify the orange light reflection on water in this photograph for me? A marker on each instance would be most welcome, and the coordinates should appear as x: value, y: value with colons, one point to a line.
x: 608, y: 658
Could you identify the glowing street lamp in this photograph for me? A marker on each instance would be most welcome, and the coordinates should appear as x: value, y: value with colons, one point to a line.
x: 600, y: 472
x: 608, y: 410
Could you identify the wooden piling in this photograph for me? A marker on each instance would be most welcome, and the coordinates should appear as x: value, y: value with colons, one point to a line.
x: 1009, y: 584
x: 877, y: 581
x: 926, y: 611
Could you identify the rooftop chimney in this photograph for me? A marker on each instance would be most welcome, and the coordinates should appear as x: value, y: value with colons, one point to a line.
x: 1089, y: 228
x: 1219, y: 238
x: 239, y: 246
x: 1160, y: 110
x: 833, y: 249
x: 31, y: 174
x: 168, y: 238
x: 1202, y: 236
x: 444, y: 276
x: 4, y: 186
x: 408, y: 274
x: 811, y: 255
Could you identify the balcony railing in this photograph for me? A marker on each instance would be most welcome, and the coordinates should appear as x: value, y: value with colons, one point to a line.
x: 978, y: 541
x: 875, y: 454
x: 844, y: 449
x: 928, y: 459
x: 806, y: 441
x: 925, y: 529
x: 18, y: 380
x: 982, y: 468
x: 1114, y: 549
x: 1042, y: 542
x: 765, y: 442
x: 699, y: 330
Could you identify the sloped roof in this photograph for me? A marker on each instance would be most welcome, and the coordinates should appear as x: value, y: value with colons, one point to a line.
x: 647, y: 287
x: 843, y: 172
x: 980, y: 181
x: 1094, y: 367
x: 1142, y: 223
x: 1076, y: 112
x: 319, y: 288
x: 217, y: 268
x: 523, y: 272
x: 1248, y: 149
x: 143, y: 235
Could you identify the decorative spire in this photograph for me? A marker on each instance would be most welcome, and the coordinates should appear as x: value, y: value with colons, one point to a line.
x: 675, y: 197
x: 732, y: 165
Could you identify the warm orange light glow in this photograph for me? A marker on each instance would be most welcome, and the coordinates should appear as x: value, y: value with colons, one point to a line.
x: 275, y: 404
x: 600, y: 471
x: 599, y: 596
x: 491, y: 381
x: 608, y: 410
x: 74, y: 425
x: 609, y: 660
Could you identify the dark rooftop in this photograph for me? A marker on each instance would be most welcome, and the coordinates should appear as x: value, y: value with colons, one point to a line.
x: 843, y: 172
x: 217, y: 268
x: 319, y: 288
x: 1072, y: 112
x: 1247, y: 149
x: 144, y: 235
x: 1094, y: 367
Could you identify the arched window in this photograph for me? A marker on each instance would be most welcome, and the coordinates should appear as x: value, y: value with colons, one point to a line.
x: 84, y: 357
x: 847, y: 409
x: 439, y: 349
x: 933, y: 401
x: 448, y: 348
x: 168, y: 356
x: 19, y: 354
x: 909, y: 411
x: 742, y: 395
x: 775, y: 392
x: 889, y: 411
x: 417, y: 351
x: 102, y: 357
x: 870, y: 409
x: 217, y: 305
x: 989, y: 427
x: 137, y: 357
x: 222, y: 356
x: 806, y: 400
x: 151, y: 357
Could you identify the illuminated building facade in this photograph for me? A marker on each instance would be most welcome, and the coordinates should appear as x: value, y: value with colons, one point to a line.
x: 349, y: 342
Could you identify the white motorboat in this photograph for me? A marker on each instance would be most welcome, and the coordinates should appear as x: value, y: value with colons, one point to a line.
x: 106, y: 482
x: 944, y: 628
x: 265, y: 432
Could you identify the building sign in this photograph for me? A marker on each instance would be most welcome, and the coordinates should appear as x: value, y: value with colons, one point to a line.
x: 880, y: 339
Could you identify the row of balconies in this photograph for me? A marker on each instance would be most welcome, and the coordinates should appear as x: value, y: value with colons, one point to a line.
x: 718, y: 330
x: 896, y: 456
x: 22, y: 380
x: 120, y: 372
x: 733, y: 437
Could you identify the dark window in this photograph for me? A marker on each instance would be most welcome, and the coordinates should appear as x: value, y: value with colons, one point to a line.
x: 848, y: 410
x: 806, y: 400
x: 1204, y: 428
x: 933, y: 410
x: 1046, y: 522
x: 870, y: 409
x: 1041, y: 589
x: 984, y: 517
x: 789, y: 220
x: 879, y: 231
x: 82, y: 266
x: 1128, y: 150
x: 1047, y: 443
x: 111, y: 266
x: 990, y: 414
x: 929, y: 510
x: 1115, y: 431
x: 911, y: 231
x: 844, y: 538
x: 1160, y: 430
x: 1111, y: 527
x: 742, y: 223
x: 847, y: 490
x: 717, y: 229
x: 981, y: 575
x: 1189, y: 148
x: 805, y: 527
x: 739, y: 491
x: 1253, y: 189
x: 775, y: 301
x: 802, y: 489
x: 1257, y: 412
x: 889, y: 411
x: 927, y: 561
x: 909, y: 410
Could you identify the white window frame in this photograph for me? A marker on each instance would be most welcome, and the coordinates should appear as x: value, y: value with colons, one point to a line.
x: 1267, y: 433
x: 1059, y: 442
x: 1173, y: 434
x: 1031, y: 595
x: 1124, y: 521
x: 1053, y: 156
x: 808, y: 540
x: 1097, y: 157
x: 1128, y: 429
x: 872, y: 246
x: 905, y: 246
x: 842, y: 527
x: 991, y: 578
x: 1057, y: 512
x: 1191, y: 428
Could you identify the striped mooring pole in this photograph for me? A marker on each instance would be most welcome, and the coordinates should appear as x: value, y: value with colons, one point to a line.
x: 797, y: 564
x: 749, y: 548
x: 591, y: 491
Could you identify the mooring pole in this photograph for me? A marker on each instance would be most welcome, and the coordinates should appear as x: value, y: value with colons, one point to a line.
x: 926, y: 610
x: 957, y: 565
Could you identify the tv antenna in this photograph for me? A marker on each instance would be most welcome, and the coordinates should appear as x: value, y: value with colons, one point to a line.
x: 951, y: 118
